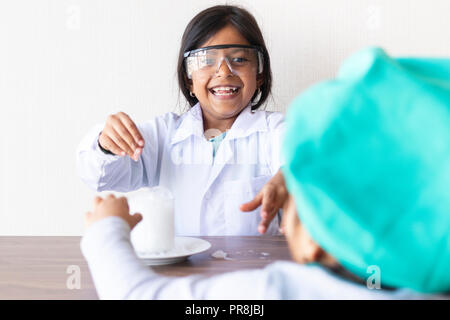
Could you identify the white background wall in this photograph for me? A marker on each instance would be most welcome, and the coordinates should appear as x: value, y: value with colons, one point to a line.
x: 66, y: 64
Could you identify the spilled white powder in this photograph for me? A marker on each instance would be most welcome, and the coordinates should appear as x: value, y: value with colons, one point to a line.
x: 265, y: 254
x: 220, y: 254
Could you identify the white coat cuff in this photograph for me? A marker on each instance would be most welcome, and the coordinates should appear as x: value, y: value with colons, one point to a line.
x: 107, y: 230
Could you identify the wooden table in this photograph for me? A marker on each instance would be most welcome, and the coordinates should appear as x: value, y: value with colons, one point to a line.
x: 40, y: 267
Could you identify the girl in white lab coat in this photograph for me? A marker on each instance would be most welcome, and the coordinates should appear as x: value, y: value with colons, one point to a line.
x: 221, y: 158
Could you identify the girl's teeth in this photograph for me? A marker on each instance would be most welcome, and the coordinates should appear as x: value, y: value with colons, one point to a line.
x: 224, y: 91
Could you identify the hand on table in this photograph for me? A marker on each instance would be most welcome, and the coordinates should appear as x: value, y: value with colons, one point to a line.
x: 121, y: 136
x: 272, y: 197
x: 111, y: 207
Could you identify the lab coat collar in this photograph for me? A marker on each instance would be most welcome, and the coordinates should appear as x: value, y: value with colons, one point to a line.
x: 245, y: 124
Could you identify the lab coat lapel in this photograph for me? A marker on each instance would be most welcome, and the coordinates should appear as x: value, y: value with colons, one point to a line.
x: 247, y: 123
x: 192, y: 124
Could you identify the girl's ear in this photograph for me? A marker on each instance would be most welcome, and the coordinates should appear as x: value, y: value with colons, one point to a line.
x: 259, y: 80
x: 189, y: 84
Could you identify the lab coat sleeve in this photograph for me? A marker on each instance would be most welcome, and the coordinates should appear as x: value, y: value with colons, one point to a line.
x: 274, y: 140
x: 119, y: 274
x: 101, y: 171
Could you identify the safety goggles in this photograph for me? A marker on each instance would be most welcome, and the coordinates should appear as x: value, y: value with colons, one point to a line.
x: 242, y: 60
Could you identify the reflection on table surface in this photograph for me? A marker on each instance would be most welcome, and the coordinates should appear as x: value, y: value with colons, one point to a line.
x: 45, y: 267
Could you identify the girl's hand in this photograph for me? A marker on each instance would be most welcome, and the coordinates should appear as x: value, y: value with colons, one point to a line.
x: 121, y: 136
x: 111, y: 207
x: 272, y: 197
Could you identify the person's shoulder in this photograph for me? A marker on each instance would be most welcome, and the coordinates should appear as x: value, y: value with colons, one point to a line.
x: 274, y: 118
x: 282, y: 271
x: 170, y: 118
x: 166, y: 121
x: 286, y: 267
x: 290, y: 272
x: 298, y: 281
x: 284, y: 279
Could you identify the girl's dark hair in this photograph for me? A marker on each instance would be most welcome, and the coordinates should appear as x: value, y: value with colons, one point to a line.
x: 207, y: 23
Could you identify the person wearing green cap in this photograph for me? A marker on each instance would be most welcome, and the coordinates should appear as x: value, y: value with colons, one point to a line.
x: 367, y: 168
x: 368, y: 163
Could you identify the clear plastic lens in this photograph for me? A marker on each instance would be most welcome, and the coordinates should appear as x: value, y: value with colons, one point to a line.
x: 240, y: 61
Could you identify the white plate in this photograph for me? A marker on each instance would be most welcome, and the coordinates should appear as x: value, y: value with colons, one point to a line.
x: 184, y: 248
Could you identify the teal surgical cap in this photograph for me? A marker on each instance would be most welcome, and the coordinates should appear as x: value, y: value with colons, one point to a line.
x: 368, y: 164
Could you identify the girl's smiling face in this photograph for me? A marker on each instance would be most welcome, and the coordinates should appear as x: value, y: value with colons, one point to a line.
x: 217, y: 107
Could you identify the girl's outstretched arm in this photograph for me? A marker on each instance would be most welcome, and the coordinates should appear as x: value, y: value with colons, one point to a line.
x: 102, y: 170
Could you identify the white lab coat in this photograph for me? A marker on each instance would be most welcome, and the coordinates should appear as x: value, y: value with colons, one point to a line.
x: 208, y: 191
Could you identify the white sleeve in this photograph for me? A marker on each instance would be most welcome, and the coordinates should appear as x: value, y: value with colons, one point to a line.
x: 275, y: 140
x: 119, y: 274
x: 101, y: 171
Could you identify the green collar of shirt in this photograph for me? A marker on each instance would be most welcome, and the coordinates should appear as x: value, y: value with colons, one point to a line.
x: 216, y: 142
